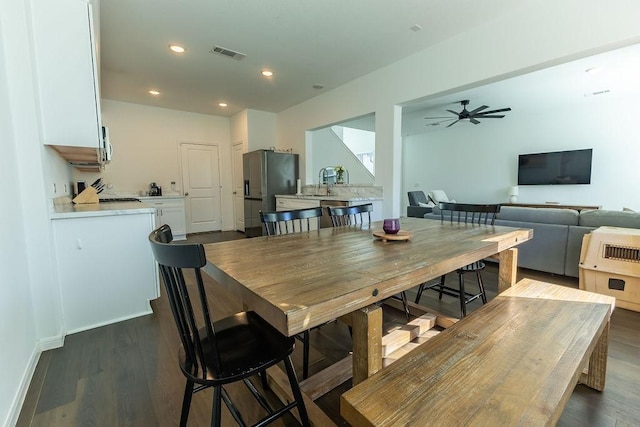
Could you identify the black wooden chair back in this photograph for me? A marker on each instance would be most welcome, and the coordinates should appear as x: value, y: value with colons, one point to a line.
x: 469, y: 213
x: 350, y: 215
x: 172, y: 259
x: 293, y: 221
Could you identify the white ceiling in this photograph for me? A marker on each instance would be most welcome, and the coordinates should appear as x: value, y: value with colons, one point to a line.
x: 552, y: 88
x: 304, y: 42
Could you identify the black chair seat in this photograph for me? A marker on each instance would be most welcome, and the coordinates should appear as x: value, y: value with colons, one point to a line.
x: 247, y: 345
x: 476, y: 266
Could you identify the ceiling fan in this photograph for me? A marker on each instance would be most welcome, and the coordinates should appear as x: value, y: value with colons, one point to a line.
x: 471, y: 116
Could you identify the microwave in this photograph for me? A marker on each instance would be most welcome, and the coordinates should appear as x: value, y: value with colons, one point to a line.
x: 106, y: 149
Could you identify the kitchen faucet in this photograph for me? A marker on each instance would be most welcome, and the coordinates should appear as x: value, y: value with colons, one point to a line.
x: 321, y: 176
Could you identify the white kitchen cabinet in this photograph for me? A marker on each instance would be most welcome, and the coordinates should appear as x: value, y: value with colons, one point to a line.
x: 170, y: 211
x: 106, y: 269
x: 288, y: 204
x: 66, y: 64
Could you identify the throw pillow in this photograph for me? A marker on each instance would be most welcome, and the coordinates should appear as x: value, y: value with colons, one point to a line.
x: 426, y: 205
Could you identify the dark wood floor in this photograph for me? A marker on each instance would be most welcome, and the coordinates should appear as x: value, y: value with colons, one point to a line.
x: 126, y: 374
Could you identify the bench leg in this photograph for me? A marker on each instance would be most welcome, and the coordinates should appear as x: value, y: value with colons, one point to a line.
x: 597, y: 373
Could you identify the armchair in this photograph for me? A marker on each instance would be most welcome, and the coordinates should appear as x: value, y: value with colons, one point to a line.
x: 419, y: 205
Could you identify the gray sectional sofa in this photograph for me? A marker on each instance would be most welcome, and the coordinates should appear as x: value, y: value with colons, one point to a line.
x: 557, y: 234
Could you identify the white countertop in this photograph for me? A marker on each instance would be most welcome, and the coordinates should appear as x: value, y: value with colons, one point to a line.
x: 169, y: 196
x: 342, y: 198
x: 69, y: 210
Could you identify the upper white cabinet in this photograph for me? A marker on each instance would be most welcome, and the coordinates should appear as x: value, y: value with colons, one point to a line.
x: 66, y: 66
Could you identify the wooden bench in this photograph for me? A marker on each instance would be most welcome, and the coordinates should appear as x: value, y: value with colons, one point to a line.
x: 514, y: 361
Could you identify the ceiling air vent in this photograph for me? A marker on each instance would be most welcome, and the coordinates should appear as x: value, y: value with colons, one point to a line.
x: 228, y: 53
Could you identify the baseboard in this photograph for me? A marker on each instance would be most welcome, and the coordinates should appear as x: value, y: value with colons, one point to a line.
x: 18, y: 400
x: 145, y: 312
x: 49, y: 343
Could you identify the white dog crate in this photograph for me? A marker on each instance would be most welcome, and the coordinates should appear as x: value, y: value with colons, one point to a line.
x: 610, y: 264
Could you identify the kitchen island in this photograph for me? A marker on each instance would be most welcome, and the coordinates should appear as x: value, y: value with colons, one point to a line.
x: 305, y: 201
x: 105, y: 268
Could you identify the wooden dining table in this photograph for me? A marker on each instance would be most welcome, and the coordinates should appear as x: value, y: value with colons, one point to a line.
x: 299, y: 281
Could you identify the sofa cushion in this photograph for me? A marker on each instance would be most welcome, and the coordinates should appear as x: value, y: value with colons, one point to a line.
x: 541, y: 215
x: 598, y: 218
x: 547, y: 250
x: 417, y: 211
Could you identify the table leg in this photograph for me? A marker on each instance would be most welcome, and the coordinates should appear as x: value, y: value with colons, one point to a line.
x: 367, y: 342
x: 597, y: 371
x: 507, y: 269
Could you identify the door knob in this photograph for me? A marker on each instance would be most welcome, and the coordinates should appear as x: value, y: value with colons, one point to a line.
x: 186, y: 194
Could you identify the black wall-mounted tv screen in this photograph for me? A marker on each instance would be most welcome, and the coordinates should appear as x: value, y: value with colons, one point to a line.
x: 561, y: 167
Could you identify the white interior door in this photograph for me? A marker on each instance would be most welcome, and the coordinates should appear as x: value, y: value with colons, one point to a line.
x: 201, y: 181
x: 238, y: 191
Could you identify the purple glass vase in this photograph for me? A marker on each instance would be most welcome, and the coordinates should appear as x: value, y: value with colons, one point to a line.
x: 391, y: 226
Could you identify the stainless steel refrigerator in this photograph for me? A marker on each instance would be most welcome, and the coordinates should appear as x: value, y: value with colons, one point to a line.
x: 266, y: 173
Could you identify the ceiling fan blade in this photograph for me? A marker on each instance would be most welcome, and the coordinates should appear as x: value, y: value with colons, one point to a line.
x: 439, y: 122
x: 453, y: 112
x: 499, y: 116
x: 453, y: 123
x: 433, y: 118
x: 474, y: 121
x: 477, y: 110
x: 495, y: 111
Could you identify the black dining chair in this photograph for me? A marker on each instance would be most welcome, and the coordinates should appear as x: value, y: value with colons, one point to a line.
x: 214, y: 354
x: 342, y: 216
x: 293, y: 221
x: 350, y: 215
x: 463, y: 213
x: 287, y: 222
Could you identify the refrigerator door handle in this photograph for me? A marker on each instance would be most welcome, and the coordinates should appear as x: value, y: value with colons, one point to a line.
x: 246, y: 187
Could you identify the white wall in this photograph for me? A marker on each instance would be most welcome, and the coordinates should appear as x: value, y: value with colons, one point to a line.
x: 146, y: 149
x: 30, y: 318
x: 240, y: 129
x: 261, y: 130
x: 498, y: 49
x: 477, y: 163
x: 329, y: 150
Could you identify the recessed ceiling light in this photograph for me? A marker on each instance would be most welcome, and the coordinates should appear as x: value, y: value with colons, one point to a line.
x: 415, y: 28
x: 154, y: 92
x: 318, y: 86
x: 176, y: 48
x: 267, y: 73
x: 592, y: 70
x: 222, y: 104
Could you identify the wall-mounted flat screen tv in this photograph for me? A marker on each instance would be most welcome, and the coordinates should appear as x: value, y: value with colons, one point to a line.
x: 560, y: 167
